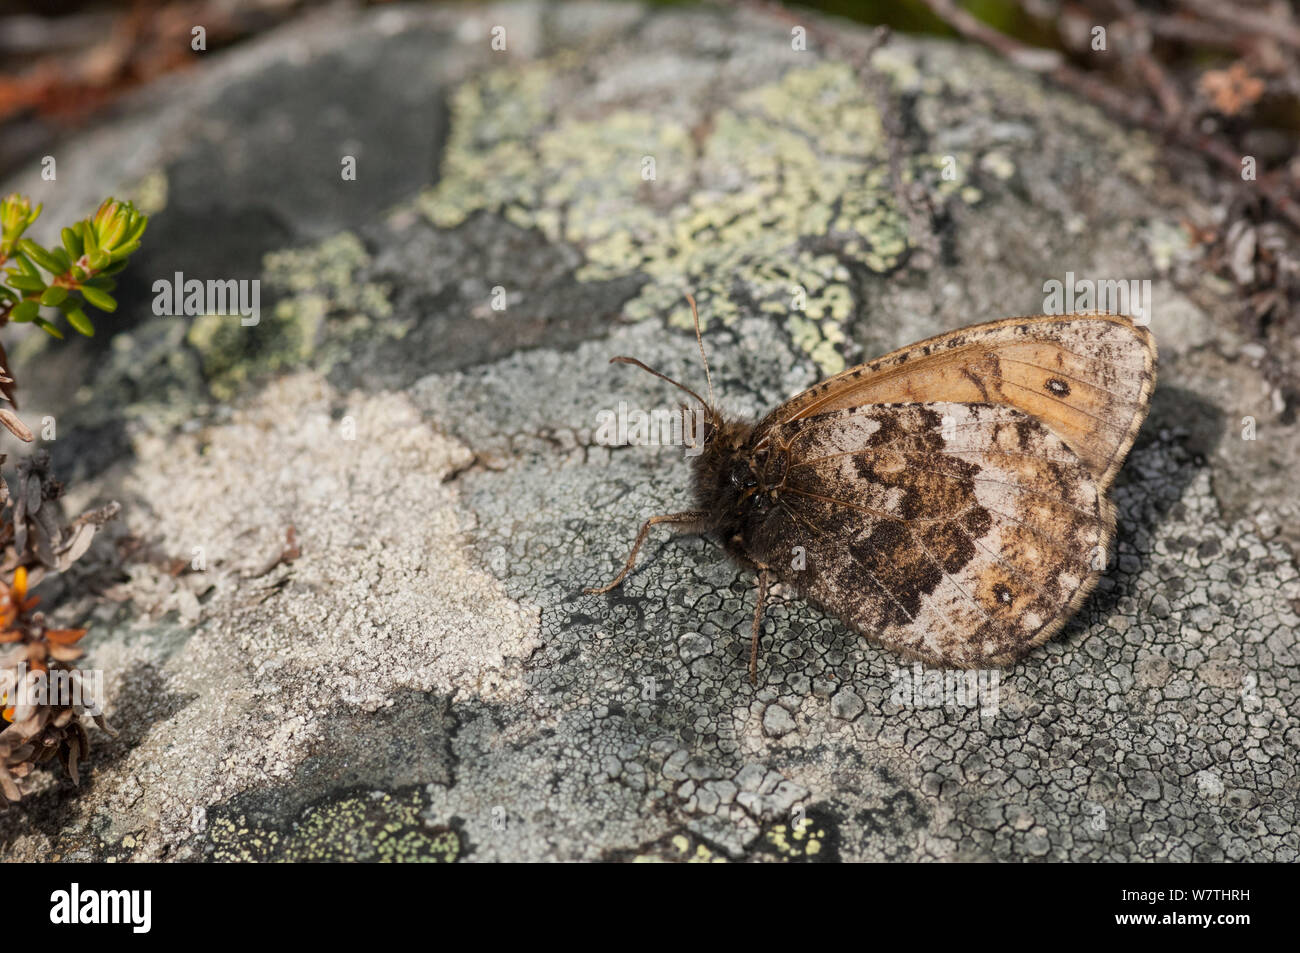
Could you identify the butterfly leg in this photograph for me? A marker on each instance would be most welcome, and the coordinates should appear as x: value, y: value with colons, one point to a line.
x: 688, y: 516
x: 758, y: 624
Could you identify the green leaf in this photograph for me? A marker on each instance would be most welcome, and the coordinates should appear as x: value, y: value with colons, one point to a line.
x: 25, y: 282
x: 90, y: 240
x: 72, y: 242
x: 113, y: 269
x: 25, y: 311
x: 98, y: 260
x: 49, y: 328
x: 100, y: 299
x: 116, y: 230
x: 101, y: 282
x: 137, y: 229
x: 125, y: 250
x: 53, y: 296
x: 39, y: 255
x: 25, y: 264
x: 77, y: 318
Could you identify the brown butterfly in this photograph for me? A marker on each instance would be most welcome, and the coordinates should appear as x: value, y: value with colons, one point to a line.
x: 948, y: 500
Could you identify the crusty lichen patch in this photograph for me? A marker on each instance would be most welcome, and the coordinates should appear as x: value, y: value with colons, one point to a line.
x: 382, y: 598
x: 776, y: 193
x: 679, y: 849
x: 313, y: 284
x: 385, y: 601
x: 373, y: 827
x: 150, y: 192
x: 800, y: 841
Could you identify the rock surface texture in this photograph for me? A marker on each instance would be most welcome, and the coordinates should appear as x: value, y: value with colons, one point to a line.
x: 426, y: 680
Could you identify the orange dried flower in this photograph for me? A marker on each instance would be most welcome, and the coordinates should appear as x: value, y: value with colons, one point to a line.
x: 1232, y: 90
x: 38, y: 731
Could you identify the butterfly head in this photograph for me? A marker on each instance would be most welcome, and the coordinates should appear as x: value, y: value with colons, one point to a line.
x: 721, y: 464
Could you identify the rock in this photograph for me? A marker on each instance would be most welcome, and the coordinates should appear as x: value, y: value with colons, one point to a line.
x: 429, y: 663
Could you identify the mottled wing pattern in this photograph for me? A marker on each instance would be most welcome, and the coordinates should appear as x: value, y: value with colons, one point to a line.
x: 1088, y: 377
x: 962, y: 534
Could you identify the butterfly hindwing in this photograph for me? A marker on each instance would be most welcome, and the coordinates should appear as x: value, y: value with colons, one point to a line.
x: 959, y: 533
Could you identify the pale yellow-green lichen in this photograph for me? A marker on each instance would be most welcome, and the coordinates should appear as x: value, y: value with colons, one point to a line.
x: 899, y: 67
x: 998, y: 164
x: 318, y: 283
x: 231, y: 352
x: 680, y: 848
x: 796, y: 842
x: 1167, y: 242
x: 776, y: 196
x: 489, y: 161
x: 949, y: 173
x: 150, y: 193
x: 379, y: 827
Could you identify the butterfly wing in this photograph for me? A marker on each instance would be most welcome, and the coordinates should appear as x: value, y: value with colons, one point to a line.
x: 1087, y: 377
x: 963, y: 534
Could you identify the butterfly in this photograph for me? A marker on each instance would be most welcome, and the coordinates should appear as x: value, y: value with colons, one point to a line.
x: 947, y: 500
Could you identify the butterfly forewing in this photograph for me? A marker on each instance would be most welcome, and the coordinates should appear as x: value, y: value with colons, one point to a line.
x: 1087, y: 377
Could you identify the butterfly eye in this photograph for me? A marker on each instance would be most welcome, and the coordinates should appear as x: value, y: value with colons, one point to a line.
x: 741, y: 475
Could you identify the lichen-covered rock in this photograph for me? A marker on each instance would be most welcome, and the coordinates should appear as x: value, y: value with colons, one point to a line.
x: 422, y: 678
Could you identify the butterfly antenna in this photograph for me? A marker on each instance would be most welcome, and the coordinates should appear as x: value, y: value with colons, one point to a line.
x: 650, y: 370
x: 699, y: 339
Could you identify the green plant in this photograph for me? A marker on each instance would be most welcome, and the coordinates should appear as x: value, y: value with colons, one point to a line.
x: 67, y: 277
x: 34, y: 539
